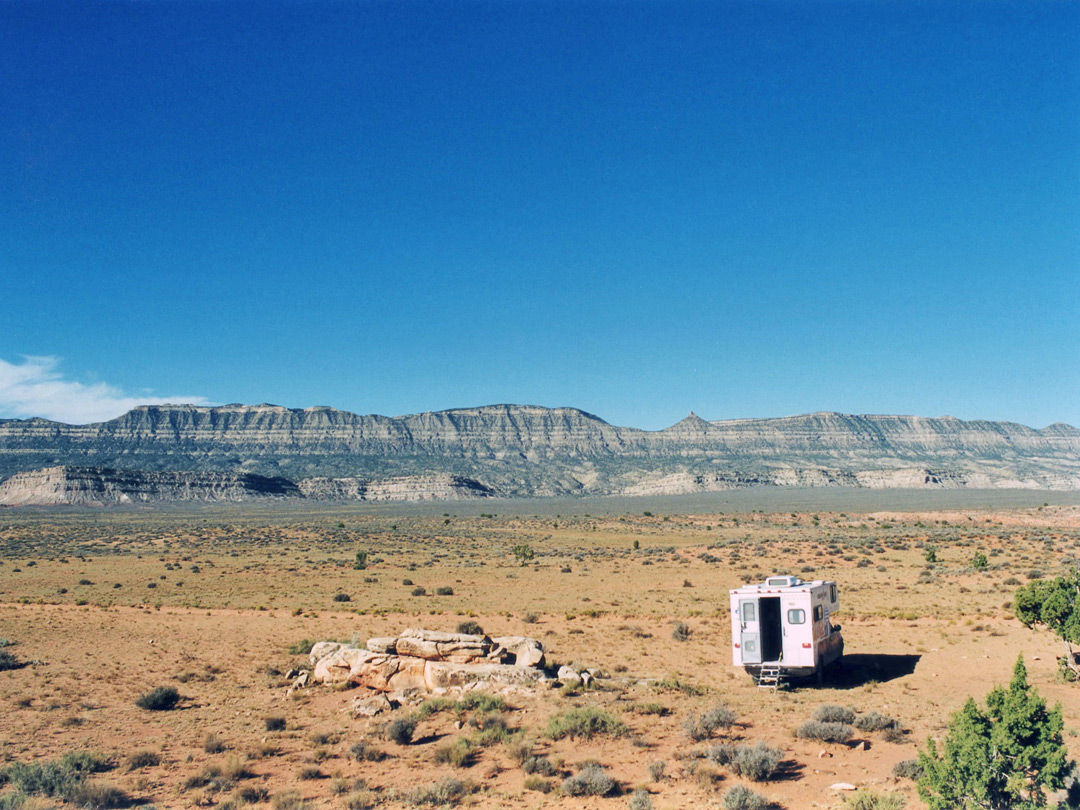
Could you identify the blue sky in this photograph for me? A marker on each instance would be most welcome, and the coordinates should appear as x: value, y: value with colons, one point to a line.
x: 635, y: 208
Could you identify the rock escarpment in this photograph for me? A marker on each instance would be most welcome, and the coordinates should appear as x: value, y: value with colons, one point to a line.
x: 528, y: 450
x: 90, y: 486
x: 94, y: 486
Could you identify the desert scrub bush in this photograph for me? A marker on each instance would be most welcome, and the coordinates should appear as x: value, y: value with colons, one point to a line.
x: 680, y: 631
x: 143, y: 759
x: 825, y: 732
x: 656, y: 770
x: 585, y: 722
x: 274, y: 723
x: 700, y: 727
x: 834, y: 714
x: 444, y: 590
x: 539, y: 765
x: 591, y: 780
x: 342, y: 597
x: 419, y: 590
x: 740, y: 797
x: 907, y: 769
x: 672, y: 684
x: 98, y: 796
x: 311, y: 772
x: 458, y: 753
x: 470, y: 628
x: 443, y: 792
x: 867, y: 799
x: 482, y: 701
x: 400, y: 730
x: 289, y: 800
x: 365, y: 752
x: 301, y: 647
x: 872, y: 721
x: 756, y: 762
x: 160, y: 699
x: 640, y: 800
x: 539, y: 784
x: 213, y: 744
x: 721, y: 754
x: 8, y: 661
x: 519, y: 749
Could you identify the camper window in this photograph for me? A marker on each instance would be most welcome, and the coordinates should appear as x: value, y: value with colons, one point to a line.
x: 819, y: 613
x: 749, y: 611
x: 832, y: 592
x: 796, y: 616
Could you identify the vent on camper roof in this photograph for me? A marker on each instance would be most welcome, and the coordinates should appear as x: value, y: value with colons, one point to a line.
x: 782, y: 582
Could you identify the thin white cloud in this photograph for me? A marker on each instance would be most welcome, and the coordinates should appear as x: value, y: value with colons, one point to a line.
x: 36, y: 387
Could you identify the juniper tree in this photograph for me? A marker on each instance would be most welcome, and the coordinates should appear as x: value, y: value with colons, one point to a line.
x: 1000, y: 758
x: 1054, y: 604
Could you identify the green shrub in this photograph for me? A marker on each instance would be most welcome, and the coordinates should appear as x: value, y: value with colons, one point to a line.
x: 458, y: 753
x: 538, y: 765
x: 834, y: 714
x: 539, y: 784
x: 302, y: 647
x: 360, y: 563
x: 681, y: 631
x: 866, y: 799
x: 872, y: 721
x: 160, y: 699
x: 444, y: 792
x: 825, y: 732
x: 8, y: 661
x: 470, y: 628
x: 444, y: 590
x: 143, y: 759
x: 701, y: 727
x: 907, y: 769
x: 591, y: 780
x: 363, y: 752
x: 274, y: 723
x: 401, y: 730
x: 585, y: 722
x: 98, y: 796
x: 342, y: 597
x: 419, y: 590
x: 757, y: 763
x: 740, y: 797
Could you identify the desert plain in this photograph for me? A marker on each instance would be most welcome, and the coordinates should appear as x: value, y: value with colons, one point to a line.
x: 99, y: 607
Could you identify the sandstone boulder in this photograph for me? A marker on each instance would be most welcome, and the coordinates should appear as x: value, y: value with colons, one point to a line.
x: 568, y: 674
x: 339, y: 665
x: 387, y: 645
x: 444, y: 675
x: 369, y: 706
x: 323, y: 649
x: 389, y: 673
x: 521, y: 651
x: 433, y: 645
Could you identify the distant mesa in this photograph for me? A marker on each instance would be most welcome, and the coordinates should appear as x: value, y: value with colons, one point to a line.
x: 270, y: 451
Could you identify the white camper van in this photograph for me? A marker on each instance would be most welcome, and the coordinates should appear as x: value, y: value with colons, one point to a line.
x: 780, y: 628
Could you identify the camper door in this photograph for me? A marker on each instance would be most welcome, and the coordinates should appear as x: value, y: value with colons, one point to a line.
x: 750, y: 631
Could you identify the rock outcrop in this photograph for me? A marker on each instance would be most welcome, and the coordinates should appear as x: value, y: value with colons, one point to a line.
x: 429, y: 660
x: 527, y: 450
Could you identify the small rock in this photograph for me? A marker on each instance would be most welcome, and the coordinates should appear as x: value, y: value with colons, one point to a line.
x: 822, y: 754
x: 568, y: 674
x: 842, y: 786
x: 371, y: 706
x: 863, y: 745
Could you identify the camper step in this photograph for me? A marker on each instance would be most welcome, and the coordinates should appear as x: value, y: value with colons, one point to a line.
x: 770, y: 677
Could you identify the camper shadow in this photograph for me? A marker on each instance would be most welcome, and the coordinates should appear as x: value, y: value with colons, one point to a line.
x: 863, y: 668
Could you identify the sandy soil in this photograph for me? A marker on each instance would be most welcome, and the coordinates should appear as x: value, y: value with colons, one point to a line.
x: 920, y: 640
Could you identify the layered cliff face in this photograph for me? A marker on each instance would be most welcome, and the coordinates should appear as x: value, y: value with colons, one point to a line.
x: 95, y: 486
x: 526, y: 450
x: 91, y: 486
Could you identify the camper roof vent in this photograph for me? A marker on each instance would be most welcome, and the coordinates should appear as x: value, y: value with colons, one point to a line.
x: 782, y: 582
